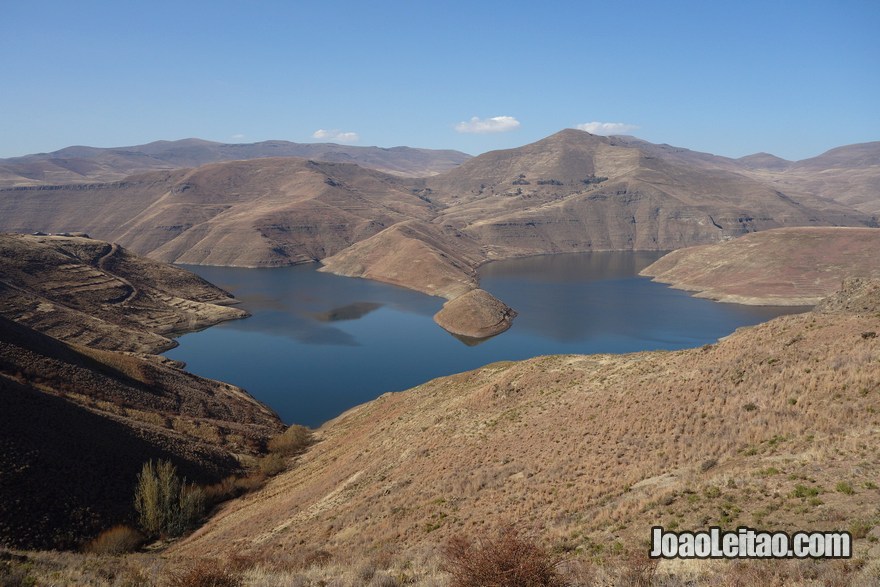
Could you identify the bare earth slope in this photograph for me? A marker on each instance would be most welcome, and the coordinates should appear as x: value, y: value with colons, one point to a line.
x: 785, y: 266
x: 76, y: 424
x: 569, y: 192
x: 98, y: 294
x: 90, y: 164
x: 590, y: 450
x: 266, y: 212
x: 849, y: 175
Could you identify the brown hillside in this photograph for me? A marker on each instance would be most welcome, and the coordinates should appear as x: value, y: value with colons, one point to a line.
x: 569, y: 192
x: 849, y: 175
x: 476, y: 314
x: 77, y: 418
x: 786, y: 266
x: 76, y: 424
x: 98, y: 294
x: 773, y: 427
x: 266, y: 212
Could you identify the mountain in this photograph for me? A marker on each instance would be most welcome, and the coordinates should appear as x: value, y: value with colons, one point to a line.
x: 764, y: 161
x: 783, y: 266
x: 91, y: 164
x: 849, y: 175
x: 576, y: 192
x: 570, y: 192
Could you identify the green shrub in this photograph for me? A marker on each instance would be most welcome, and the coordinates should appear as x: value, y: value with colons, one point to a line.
x: 804, y: 492
x: 845, y: 487
x: 165, y: 504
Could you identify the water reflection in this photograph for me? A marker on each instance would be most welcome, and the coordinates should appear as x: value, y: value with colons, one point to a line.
x: 318, y: 344
x: 347, y: 312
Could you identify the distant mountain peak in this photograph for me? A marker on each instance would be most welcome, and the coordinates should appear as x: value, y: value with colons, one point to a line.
x: 764, y: 160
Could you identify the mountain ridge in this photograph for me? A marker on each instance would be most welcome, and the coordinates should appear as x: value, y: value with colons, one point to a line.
x: 569, y: 192
x: 83, y: 164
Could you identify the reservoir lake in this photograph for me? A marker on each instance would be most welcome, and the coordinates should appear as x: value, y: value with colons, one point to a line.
x: 318, y: 344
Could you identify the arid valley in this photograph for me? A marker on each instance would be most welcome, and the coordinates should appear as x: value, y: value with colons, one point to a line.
x: 461, y: 294
x: 582, y: 452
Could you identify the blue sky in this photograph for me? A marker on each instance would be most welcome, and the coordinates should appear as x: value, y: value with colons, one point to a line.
x: 732, y: 78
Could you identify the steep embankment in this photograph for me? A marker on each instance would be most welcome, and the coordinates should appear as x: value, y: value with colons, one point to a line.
x: 76, y: 424
x: 76, y: 421
x: 98, y: 294
x: 787, y: 266
x: 762, y: 429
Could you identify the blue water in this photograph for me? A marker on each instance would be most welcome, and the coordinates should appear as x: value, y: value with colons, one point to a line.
x: 318, y: 344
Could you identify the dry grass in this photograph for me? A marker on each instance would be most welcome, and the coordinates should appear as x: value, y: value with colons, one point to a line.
x: 785, y: 266
x: 588, y: 452
x: 206, y: 574
x: 116, y: 540
x: 292, y: 441
x: 298, y: 567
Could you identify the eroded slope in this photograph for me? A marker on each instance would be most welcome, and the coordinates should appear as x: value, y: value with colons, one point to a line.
x: 98, y: 294
x: 76, y: 424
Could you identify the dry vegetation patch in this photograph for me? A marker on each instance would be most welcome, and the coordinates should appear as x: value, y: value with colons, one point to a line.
x: 770, y: 427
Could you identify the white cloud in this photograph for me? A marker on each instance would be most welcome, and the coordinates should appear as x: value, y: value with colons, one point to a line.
x: 607, y: 128
x: 237, y: 137
x: 336, y: 135
x: 487, y: 125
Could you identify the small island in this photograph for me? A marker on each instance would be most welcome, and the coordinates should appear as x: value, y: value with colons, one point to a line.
x: 476, y: 314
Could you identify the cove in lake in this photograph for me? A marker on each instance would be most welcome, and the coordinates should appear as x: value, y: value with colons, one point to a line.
x: 318, y: 344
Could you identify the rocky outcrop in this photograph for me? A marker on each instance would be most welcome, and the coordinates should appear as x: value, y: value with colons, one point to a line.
x: 475, y: 315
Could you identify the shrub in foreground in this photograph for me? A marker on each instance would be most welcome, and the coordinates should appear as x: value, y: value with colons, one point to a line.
x: 165, y: 504
x: 508, y: 560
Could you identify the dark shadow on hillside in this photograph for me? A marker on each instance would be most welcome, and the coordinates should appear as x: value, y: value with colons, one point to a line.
x: 68, y: 473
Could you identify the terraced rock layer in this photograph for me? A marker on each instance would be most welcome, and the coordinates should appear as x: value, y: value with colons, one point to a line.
x: 97, y: 294
x: 78, y: 418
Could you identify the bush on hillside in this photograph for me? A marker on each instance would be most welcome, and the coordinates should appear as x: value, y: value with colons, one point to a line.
x: 292, y: 441
x: 508, y: 560
x: 167, y: 505
x: 117, y: 540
